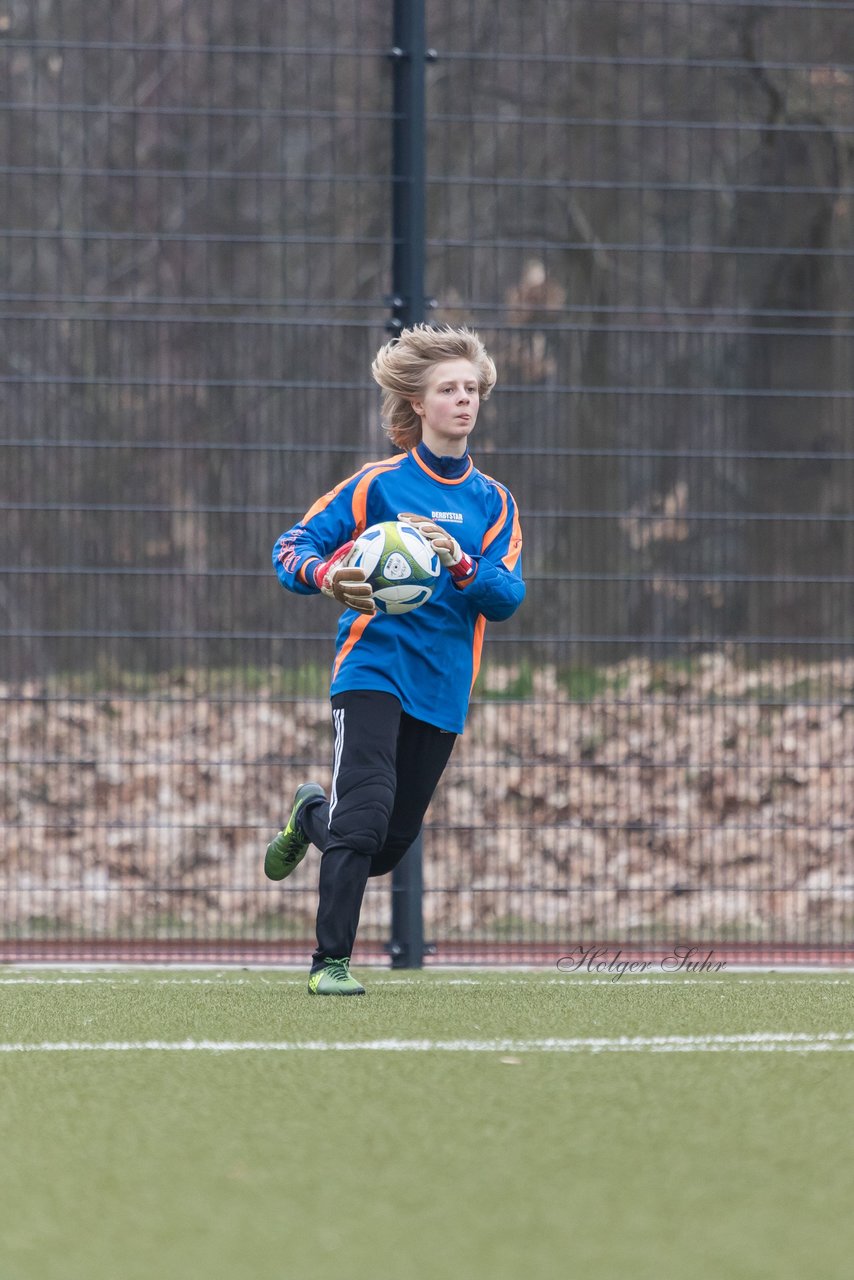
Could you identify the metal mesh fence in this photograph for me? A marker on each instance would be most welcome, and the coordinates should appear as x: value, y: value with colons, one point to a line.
x: 645, y: 208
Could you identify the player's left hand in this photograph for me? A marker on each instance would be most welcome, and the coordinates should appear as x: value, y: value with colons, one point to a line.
x: 449, y: 551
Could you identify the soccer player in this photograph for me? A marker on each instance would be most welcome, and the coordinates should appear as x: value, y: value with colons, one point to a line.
x: 400, y: 682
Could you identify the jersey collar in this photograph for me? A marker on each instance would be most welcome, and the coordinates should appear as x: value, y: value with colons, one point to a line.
x: 445, y: 470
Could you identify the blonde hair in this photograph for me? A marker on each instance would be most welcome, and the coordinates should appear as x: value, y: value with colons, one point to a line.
x: 402, y: 367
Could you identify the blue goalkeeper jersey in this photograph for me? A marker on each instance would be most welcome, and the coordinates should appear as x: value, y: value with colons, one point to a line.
x: 429, y: 657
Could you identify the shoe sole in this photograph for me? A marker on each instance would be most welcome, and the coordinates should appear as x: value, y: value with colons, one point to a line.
x: 334, y: 993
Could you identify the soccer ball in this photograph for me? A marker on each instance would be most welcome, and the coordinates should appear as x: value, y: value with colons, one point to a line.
x: 399, y: 563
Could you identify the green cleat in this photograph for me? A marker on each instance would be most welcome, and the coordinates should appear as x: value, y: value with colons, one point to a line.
x: 334, y: 979
x: 289, y: 847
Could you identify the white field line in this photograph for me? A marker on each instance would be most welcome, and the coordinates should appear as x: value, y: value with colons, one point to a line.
x: 755, y: 1042
x: 119, y: 978
x: 495, y: 972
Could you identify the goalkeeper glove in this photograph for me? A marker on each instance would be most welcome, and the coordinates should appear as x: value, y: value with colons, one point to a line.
x: 336, y: 579
x: 449, y: 551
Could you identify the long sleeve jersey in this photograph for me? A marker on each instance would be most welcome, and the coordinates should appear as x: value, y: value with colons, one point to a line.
x: 429, y: 657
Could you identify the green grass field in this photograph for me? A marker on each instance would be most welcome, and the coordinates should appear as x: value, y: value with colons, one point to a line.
x: 215, y: 1125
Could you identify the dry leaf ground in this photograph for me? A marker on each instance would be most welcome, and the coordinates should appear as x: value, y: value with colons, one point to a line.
x: 702, y: 798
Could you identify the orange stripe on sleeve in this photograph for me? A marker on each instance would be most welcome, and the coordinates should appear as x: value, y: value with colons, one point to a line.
x: 494, y: 530
x: 515, y: 548
x: 360, y: 493
x: 323, y: 503
x: 303, y: 572
x: 357, y: 628
x: 477, y: 648
x: 509, y: 561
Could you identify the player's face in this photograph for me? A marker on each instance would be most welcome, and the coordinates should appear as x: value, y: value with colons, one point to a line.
x: 448, y: 407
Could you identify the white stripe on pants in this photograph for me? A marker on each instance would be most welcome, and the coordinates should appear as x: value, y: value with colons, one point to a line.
x: 338, y: 725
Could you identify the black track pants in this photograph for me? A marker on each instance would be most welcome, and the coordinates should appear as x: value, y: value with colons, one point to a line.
x: 386, y: 767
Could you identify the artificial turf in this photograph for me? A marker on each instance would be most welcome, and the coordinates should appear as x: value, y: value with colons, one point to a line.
x: 425, y: 1157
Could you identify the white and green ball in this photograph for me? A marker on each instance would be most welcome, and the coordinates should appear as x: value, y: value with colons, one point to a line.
x: 399, y: 563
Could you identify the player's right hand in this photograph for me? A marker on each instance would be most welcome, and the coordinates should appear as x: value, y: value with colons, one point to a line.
x: 348, y: 586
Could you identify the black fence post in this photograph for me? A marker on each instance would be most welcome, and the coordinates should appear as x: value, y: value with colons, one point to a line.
x: 409, y: 55
x: 407, y: 912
